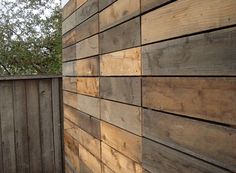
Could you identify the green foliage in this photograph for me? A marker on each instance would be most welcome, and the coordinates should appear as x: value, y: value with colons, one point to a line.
x: 30, y: 37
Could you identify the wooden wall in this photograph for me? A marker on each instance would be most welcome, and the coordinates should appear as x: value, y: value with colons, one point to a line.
x: 150, y: 86
x: 30, y: 125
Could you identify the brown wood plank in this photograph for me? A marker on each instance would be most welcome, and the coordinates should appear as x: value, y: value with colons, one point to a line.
x: 46, y: 125
x: 118, y: 12
x: 68, y: 9
x: 88, y: 86
x: 204, y: 54
x: 126, y: 62
x: 69, y: 68
x: 123, y: 89
x: 89, y: 8
x: 57, y: 116
x: 205, y: 98
x: 150, y: 4
x: 186, y: 16
x: 87, y: 28
x: 118, y: 162
x: 69, y: 38
x: 171, y: 130
x: 84, y: 168
x: 87, y: 47
x: 92, y: 162
x: 79, y: 3
x: 21, y: 127
x: 69, y: 53
x: 158, y: 158
x: 104, y: 3
x: 123, y: 36
x: 124, y: 116
x: 7, y: 127
x: 69, y: 23
x: 88, y: 67
x: 33, y: 126
x: 126, y: 143
x: 70, y: 84
x: 87, y: 123
x: 105, y: 169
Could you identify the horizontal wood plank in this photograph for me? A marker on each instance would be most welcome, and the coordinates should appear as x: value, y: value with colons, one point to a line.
x: 104, y: 3
x: 88, y: 86
x: 69, y: 68
x: 69, y: 53
x: 88, y: 67
x: 68, y: 9
x: 186, y: 17
x: 118, y: 12
x: 105, y: 169
x: 123, y: 36
x: 194, y: 97
x: 79, y: 3
x: 150, y: 4
x: 123, y: 89
x: 69, y: 38
x: 70, y: 84
x: 204, y: 54
x: 68, y: 24
x: 171, y: 130
x: 126, y: 62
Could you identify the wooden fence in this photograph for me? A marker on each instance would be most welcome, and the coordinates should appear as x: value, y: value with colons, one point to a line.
x: 150, y: 86
x: 30, y: 125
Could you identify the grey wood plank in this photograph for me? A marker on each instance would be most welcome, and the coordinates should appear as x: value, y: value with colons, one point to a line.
x: 21, y: 127
x: 33, y: 126
x: 56, y: 104
x: 69, y: 53
x: 7, y: 125
x: 46, y: 125
x: 123, y: 89
x: 204, y: 54
x: 104, y: 3
x: 123, y: 36
x: 150, y: 4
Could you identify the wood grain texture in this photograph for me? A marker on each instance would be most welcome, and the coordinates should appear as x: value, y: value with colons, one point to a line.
x: 118, y: 162
x: 21, y: 130
x: 88, y: 67
x: 69, y: 38
x: 92, y: 162
x: 68, y: 9
x: 70, y: 84
x: 118, y: 12
x: 186, y: 16
x: 87, y: 47
x: 79, y: 3
x: 123, y: 36
x: 87, y: 28
x: 171, y: 130
x: 104, y: 3
x: 69, y: 23
x: 86, y: 122
x: 88, y: 86
x: 89, y: 8
x: 204, y: 54
x: 126, y: 143
x: 125, y: 116
x: 194, y: 97
x: 150, y: 4
x: 126, y: 62
x: 69, y: 53
x: 105, y: 169
x: 84, y: 168
x: 123, y: 89
x: 69, y: 68
x: 158, y: 158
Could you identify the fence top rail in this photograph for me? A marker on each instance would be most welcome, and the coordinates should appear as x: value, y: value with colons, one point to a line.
x: 29, y: 77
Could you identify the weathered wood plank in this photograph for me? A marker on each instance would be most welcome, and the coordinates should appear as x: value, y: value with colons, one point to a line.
x: 104, y: 3
x: 70, y: 84
x: 79, y: 3
x: 118, y: 162
x: 69, y: 23
x: 68, y: 9
x: 87, y: 123
x: 33, y: 126
x: 89, y: 8
x: 158, y: 158
x: 125, y: 116
x: 124, y: 36
x: 87, y: 28
x: 150, y: 4
x: 105, y: 169
x: 118, y: 12
x: 69, y: 38
x: 88, y: 67
x: 171, y: 130
x: 46, y: 125
x: 126, y: 143
x: 126, y: 62
x: 87, y: 47
x: 69, y: 53
x: 84, y: 168
x: 56, y: 104
x: 92, y: 162
x: 194, y: 97
x: 88, y: 86
x: 7, y: 125
x: 69, y: 68
x: 189, y: 17
x: 20, y: 121
x: 123, y: 89
x: 204, y: 54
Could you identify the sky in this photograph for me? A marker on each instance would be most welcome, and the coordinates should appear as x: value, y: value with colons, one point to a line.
x: 63, y: 2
